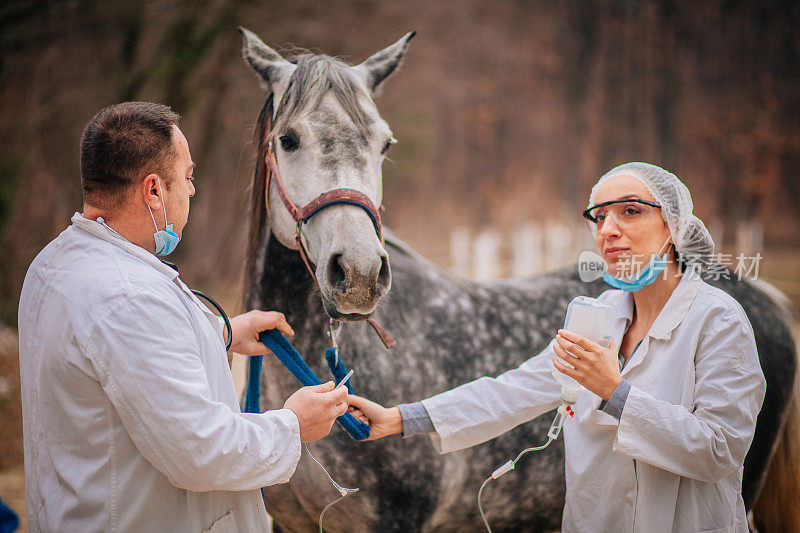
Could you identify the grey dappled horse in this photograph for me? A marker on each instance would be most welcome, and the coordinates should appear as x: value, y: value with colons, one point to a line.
x: 330, y: 135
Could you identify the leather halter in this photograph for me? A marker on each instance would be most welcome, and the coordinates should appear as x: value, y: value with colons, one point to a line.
x: 324, y: 200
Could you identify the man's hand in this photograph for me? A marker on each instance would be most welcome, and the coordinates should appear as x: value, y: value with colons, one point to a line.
x: 382, y: 421
x: 317, y: 408
x: 247, y: 326
x: 596, y: 367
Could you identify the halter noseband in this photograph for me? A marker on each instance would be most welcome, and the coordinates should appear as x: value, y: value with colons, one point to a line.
x: 324, y: 200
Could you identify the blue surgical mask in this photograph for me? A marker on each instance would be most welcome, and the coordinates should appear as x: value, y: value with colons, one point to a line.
x: 166, y: 239
x: 646, y: 275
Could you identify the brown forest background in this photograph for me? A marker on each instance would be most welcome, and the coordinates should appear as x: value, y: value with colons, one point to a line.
x: 506, y: 111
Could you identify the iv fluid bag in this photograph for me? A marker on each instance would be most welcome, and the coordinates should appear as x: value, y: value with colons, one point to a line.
x: 590, y: 318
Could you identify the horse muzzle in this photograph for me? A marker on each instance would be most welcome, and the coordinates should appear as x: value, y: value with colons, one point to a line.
x: 352, y: 282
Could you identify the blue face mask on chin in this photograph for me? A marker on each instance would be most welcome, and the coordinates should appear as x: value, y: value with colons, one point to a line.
x: 166, y: 239
x: 647, y: 275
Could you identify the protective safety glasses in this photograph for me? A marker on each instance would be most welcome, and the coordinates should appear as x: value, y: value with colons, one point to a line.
x: 626, y: 212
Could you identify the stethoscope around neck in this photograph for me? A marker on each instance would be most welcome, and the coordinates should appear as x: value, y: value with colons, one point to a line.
x: 216, y: 306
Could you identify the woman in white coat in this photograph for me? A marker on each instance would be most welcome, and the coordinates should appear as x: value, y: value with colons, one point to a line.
x: 660, y: 435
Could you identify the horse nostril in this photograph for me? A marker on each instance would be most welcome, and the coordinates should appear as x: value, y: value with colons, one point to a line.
x: 384, y: 274
x: 337, y: 279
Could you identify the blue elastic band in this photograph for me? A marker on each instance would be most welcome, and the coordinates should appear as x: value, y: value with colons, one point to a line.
x: 293, y: 361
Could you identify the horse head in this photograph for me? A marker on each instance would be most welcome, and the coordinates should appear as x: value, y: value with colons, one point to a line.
x: 326, y: 134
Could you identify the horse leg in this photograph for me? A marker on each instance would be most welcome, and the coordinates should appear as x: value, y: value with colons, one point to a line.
x: 287, y: 513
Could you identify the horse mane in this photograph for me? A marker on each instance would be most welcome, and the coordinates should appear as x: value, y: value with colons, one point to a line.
x: 313, y: 77
x: 259, y: 229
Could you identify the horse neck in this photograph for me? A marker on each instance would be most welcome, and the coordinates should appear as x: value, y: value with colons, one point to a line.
x: 285, y: 285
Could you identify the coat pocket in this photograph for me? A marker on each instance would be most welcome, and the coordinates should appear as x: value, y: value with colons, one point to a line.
x: 729, y: 529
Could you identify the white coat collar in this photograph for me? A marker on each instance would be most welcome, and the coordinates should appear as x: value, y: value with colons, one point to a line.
x: 97, y: 229
x: 673, y: 312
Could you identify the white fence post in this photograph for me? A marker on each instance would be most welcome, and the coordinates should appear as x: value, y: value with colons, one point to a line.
x: 485, y: 255
x: 558, y: 245
x: 526, y: 250
x: 459, y: 252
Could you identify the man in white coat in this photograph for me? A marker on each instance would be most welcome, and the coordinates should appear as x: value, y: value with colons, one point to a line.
x: 131, y: 420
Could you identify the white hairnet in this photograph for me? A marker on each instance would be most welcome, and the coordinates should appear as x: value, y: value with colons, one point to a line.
x: 692, y: 240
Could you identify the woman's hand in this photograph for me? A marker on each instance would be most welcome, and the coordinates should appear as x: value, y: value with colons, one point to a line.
x: 247, y: 326
x: 596, y: 367
x: 382, y: 421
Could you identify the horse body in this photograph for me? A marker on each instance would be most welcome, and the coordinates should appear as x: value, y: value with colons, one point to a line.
x: 449, y: 331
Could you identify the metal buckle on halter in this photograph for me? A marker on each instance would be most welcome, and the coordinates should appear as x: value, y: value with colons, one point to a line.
x: 298, y: 236
x: 333, y: 331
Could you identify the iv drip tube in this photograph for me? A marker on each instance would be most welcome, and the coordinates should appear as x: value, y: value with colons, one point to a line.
x: 343, y: 491
x: 564, y: 411
x: 502, y: 470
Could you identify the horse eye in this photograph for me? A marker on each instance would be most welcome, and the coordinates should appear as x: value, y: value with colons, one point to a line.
x: 290, y: 142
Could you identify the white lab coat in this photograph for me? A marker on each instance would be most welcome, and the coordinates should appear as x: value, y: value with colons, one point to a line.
x: 673, y: 462
x: 131, y: 420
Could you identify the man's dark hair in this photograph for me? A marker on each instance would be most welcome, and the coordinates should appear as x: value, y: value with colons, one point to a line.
x: 122, y: 144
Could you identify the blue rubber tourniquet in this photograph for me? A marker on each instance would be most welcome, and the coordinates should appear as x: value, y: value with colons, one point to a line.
x: 293, y: 361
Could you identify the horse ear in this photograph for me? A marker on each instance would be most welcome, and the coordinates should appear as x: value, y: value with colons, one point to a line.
x: 271, y: 67
x: 378, y: 67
